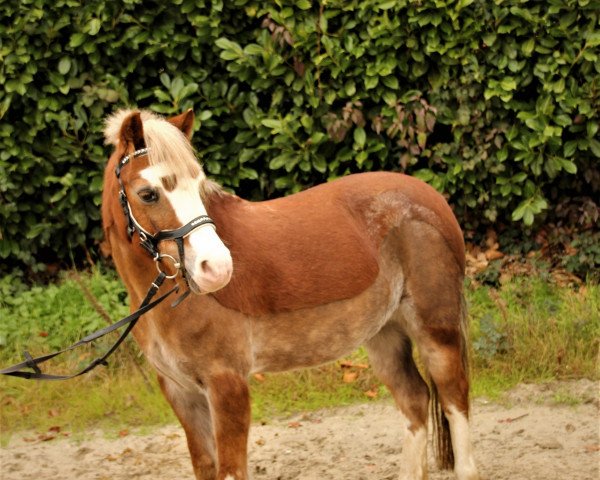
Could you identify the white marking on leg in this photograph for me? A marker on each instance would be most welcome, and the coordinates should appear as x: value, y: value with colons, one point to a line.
x: 229, y: 477
x: 464, y: 463
x: 414, y: 452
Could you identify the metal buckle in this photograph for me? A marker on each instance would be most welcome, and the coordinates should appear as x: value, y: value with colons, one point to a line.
x: 176, y: 265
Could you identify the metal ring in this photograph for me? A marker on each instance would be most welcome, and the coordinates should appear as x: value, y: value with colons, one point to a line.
x: 176, y: 264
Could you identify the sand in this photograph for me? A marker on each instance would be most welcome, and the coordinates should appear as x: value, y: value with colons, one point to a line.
x: 540, y: 432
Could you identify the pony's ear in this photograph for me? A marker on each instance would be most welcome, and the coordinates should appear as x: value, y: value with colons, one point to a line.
x: 184, y: 122
x: 132, y: 131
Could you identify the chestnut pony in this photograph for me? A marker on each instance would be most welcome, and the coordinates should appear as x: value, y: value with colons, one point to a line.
x: 374, y: 259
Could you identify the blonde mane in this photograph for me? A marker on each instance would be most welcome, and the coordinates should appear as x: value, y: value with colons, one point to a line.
x: 168, y: 146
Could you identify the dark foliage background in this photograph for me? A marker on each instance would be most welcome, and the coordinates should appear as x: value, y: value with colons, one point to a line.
x: 494, y: 103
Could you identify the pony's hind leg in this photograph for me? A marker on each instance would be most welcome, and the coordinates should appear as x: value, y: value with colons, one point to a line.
x: 433, y: 314
x: 446, y: 363
x: 440, y: 335
x: 193, y: 412
x: 390, y: 352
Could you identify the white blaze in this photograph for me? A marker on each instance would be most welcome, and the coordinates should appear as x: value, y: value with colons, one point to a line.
x: 207, y: 259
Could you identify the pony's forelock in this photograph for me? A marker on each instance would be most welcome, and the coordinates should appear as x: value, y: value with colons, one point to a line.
x: 168, y: 146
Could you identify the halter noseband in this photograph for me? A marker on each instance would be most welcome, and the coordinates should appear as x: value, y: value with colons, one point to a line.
x: 150, y: 241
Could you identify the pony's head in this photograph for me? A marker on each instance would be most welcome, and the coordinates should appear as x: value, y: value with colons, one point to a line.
x: 163, y: 188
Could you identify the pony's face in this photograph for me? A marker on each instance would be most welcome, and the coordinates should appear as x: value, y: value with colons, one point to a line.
x: 164, y: 190
x: 169, y: 201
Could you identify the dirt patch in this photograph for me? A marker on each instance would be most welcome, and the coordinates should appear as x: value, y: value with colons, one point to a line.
x: 526, y: 436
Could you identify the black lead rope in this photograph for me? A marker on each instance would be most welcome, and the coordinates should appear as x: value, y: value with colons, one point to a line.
x: 33, y: 363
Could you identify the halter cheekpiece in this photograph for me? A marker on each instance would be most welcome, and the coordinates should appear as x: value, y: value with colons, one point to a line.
x: 148, y: 240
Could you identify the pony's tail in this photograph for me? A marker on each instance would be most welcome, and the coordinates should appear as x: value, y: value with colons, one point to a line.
x: 442, y: 441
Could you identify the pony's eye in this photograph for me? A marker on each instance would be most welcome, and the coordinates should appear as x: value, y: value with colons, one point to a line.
x: 149, y: 195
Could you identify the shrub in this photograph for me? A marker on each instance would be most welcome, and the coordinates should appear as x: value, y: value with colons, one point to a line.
x: 494, y: 103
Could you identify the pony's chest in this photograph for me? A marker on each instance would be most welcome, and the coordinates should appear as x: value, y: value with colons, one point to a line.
x: 168, y: 362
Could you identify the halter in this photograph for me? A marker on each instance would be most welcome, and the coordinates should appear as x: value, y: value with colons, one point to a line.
x: 150, y: 241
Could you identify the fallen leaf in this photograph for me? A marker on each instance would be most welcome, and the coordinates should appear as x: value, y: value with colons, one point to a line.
x: 493, y: 255
x: 259, y: 377
x: 349, y: 377
x: 570, y: 250
x: 260, y: 442
x: 55, y: 428
x: 491, y: 238
x: 123, y: 433
x: 43, y: 334
x: 294, y: 425
x: 54, y: 412
x: 592, y: 448
x: 46, y: 437
x: 371, y: 393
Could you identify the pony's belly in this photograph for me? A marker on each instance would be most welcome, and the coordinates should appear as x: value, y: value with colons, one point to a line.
x: 318, y: 335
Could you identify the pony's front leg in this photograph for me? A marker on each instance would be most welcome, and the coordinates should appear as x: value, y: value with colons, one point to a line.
x: 229, y: 398
x: 191, y: 408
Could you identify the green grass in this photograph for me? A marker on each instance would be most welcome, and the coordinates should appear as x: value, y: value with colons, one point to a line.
x: 41, y: 319
x: 533, y: 330
x: 108, y: 400
x: 527, y: 330
x: 565, y: 398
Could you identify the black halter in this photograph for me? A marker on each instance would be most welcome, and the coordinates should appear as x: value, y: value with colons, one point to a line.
x: 150, y: 241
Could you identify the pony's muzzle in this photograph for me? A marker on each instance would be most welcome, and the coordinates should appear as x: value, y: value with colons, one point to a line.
x: 212, y: 274
x: 208, y: 262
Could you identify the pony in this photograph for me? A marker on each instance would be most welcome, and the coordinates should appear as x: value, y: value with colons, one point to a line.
x: 374, y: 259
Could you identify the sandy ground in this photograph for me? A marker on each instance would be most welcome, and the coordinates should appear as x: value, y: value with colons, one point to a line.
x: 526, y: 436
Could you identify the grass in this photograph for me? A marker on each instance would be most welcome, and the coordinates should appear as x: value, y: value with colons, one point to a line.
x: 565, y: 398
x: 529, y: 329
x: 108, y: 400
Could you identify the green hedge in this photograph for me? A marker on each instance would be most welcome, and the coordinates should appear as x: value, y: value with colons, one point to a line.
x: 494, y: 103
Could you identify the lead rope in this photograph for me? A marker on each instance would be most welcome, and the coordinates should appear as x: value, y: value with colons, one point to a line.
x: 130, y: 321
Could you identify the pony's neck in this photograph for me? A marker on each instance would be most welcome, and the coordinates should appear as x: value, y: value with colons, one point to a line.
x: 135, y: 266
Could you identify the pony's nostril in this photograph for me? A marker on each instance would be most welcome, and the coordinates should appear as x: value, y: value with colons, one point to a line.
x: 207, y: 269
x: 213, y: 271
